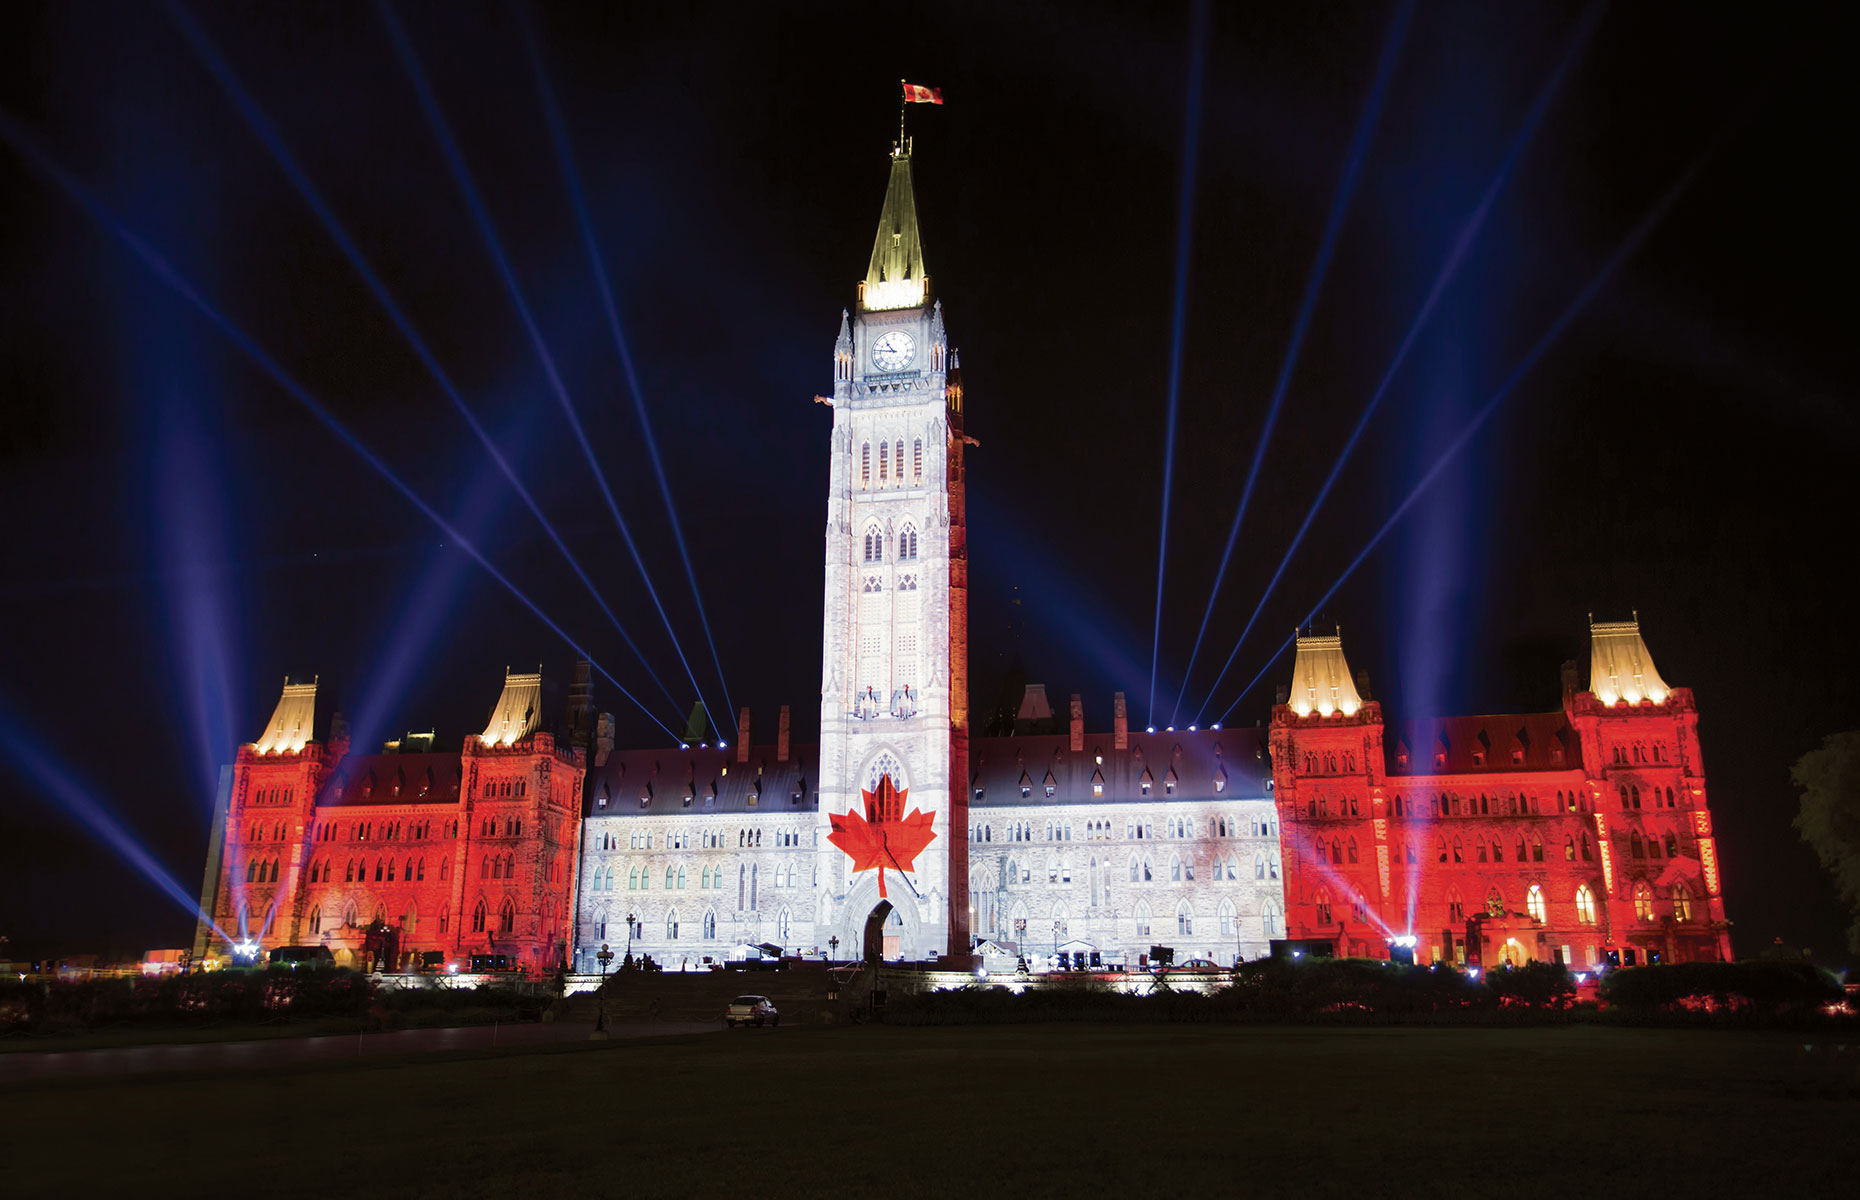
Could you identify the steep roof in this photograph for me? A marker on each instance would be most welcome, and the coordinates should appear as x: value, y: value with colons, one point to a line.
x: 518, y: 710
x: 704, y: 781
x: 1620, y: 667
x: 1321, y: 678
x: 388, y: 779
x: 895, y: 277
x: 1543, y: 742
x: 1001, y: 767
x: 290, y: 724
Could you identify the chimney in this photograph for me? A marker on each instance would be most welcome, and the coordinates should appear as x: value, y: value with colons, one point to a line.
x: 742, y: 735
x: 603, y: 739
x: 1362, y: 684
x: 1078, y: 724
x: 781, y: 737
x: 1572, y: 681
x: 1120, y: 724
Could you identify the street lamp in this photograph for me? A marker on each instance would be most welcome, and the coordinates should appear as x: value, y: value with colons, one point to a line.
x: 833, y: 947
x: 600, y: 992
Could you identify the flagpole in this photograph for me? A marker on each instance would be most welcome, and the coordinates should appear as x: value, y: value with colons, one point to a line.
x: 904, y: 106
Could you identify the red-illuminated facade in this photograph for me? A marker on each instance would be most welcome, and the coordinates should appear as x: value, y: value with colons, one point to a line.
x: 1580, y: 836
x: 380, y: 857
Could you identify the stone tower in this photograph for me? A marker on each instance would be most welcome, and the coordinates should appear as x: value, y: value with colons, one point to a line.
x: 894, y: 672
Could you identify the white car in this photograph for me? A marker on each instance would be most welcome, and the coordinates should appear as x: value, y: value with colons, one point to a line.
x: 751, y: 1010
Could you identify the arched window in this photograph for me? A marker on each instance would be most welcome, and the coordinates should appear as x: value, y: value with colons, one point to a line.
x: 917, y: 459
x: 784, y: 925
x: 507, y: 917
x: 1635, y: 849
x: 477, y: 917
x: 1323, y: 907
x: 710, y: 925
x: 1588, y: 854
x: 1147, y: 875
x: 671, y: 877
x: 1494, y: 903
x: 1456, y: 907
x: 1682, y: 903
x: 1259, y: 866
x: 1175, y: 867
x: 1459, y: 854
x: 865, y: 465
x: 316, y: 920
x: 1143, y: 919
x: 1643, y: 901
x: 1352, y: 849
x: 884, y: 462
x: 1269, y: 919
x: 1534, y: 901
x: 704, y: 878
x: 1184, y: 920
x: 1585, y: 905
x: 671, y: 926
x: 907, y: 544
x: 1672, y: 845
x: 681, y: 878
x: 1230, y: 925
x: 1443, y: 849
x: 251, y: 871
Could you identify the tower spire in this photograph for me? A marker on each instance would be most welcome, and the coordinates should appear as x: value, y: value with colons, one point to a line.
x: 895, y: 277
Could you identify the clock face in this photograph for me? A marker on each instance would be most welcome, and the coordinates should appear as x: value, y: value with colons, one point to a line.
x: 893, y: 351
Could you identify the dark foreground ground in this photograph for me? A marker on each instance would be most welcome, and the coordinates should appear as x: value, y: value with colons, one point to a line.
x: 876, y: 1112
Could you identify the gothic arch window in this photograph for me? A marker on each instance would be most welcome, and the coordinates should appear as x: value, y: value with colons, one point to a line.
x: 1635, y: 849
x: 1184, y: 920
x: 1323, y: 906
x: 1269, y: 919
x: 1672, y: 845
x: 507, y: 917
x: 1230, y: 924
x: 865, y: 465
x: 316, y: 920
x: 1459, y: 853
x: 917, y: 459
x: 897, y: 456
x: 1494, y: 903
x: 1352, y: 849
x: 1643, y: 901
x: 1175, y: 867
x: 1534, y: 903
x: 1569, y: 848
x: 477, y: 917
x: 1143, y: 919
x: 1585, y: 905
x: 1682, y: 903
x: 1588, y: 854
x: 1135, y: 869
x: 907, y: 544
x: 671, y: 926
x: 1456, y: 907
x: 710, y: 925
x: 1443, y: 848
x: 784, y: 927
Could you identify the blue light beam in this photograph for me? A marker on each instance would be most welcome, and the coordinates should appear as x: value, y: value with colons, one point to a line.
x: 1184, y: 237
x: 21, y: 141
x: 578, y: 197
x: 1314, y: 285
x: 24, y: 756
x: 267, y: 133
x: 1596, y: 282
x: 461, y: 174
x: 1449, y: 270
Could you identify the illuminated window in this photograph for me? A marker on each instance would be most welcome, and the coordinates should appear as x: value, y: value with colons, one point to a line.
x: 1534, y: 901
x: 884, y: 461
x: 1323, y: 907
x: 316, y: 920
x: 865, y: 465
x: 1643, y: 902
x: 1585, y: 905
x: 1456, y: 907
x: 1682, y: 903
x: 1672, y: 846
x: 1459, y: 855
x: 1352, y: 849
x: 477, y: 917
x: 1443, y: 849
x: 917, y: 459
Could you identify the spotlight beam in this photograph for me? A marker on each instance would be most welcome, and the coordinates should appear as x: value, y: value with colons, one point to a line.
x: 578, y: 197
x: 1449, y: 270
x: 1596, y: 282
x: 1184, y: 237
x: 267, y: 133
x: 1314, y: 285
x: 159, y: 266
x: 23, y: 753
x: 455, y: 159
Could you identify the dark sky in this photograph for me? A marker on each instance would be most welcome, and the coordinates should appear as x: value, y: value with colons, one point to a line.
x: 183, y: 534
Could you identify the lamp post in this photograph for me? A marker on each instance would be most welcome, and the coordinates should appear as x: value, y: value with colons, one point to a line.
x: 833, y: 947
x: 600, y: 992
x: 631, y: 921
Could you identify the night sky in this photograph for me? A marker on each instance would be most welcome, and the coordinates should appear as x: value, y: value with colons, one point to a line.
x: 183, y: 533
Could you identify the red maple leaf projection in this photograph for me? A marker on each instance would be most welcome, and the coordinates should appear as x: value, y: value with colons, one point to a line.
x: 884, y: 836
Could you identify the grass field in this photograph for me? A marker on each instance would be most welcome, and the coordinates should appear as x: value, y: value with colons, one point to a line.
x: 875, y: 1112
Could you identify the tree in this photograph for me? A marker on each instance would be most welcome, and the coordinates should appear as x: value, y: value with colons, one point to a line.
x: 1829, y: 820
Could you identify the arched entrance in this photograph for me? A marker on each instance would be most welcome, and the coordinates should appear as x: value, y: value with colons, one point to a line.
x: 883, y: 932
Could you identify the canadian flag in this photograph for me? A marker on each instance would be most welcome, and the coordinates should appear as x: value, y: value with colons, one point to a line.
x: 913, y: 94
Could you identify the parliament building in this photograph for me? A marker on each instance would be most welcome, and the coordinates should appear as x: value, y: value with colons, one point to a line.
x: 1580, y: 835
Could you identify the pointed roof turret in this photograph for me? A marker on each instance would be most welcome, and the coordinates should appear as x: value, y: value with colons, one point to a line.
x: 1620, y: 667
x: 290, y: 724
x: 1321, y: 679
x: 896, y: 277
x: 518, y: 711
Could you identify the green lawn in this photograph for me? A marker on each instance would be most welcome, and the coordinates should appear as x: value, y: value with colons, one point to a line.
x: 876, y: 1112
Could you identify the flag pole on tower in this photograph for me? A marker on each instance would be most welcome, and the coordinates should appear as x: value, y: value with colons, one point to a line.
x: 913, y: 94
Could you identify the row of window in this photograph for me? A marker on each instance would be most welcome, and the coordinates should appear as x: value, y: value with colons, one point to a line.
x: 271, y: 796
x: 875, y: 545
x: 1097, y: 830
x: 356, y: 870
x: 1535, y: 903
x: 389, y: 831
x: 1629, y: 753
x: 1272, y: 923
x: 640, y: 878
x: 885, y: 459
x: 784, y: 926
x: 481, y: 919
x: 714, y: 839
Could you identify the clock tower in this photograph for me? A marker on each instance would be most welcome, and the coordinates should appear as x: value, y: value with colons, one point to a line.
x: 894, y: 647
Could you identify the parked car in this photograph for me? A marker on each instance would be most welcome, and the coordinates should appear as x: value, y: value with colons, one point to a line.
x: 751, y: 1010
